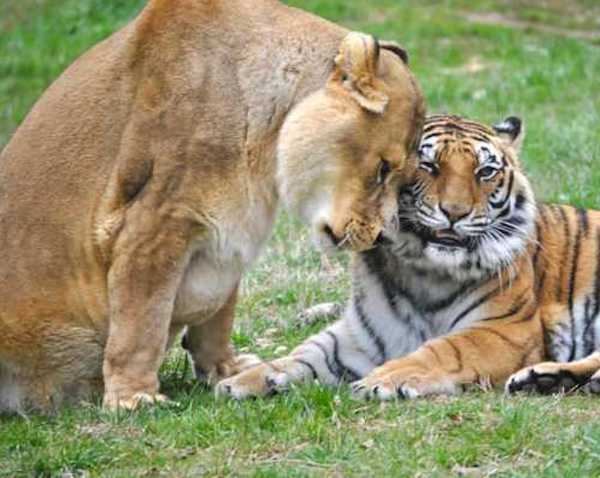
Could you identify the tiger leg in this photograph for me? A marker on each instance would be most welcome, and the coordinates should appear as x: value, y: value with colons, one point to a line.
x: 484, y: 355
x: 554, y: 377
x: 329, y: 357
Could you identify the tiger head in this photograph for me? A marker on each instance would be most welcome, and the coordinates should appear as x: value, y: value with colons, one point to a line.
x: 469, y: 208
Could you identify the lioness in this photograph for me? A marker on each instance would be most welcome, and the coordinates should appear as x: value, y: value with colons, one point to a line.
x: 147, y: 178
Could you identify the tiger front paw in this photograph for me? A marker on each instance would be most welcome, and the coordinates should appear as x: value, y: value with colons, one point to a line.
x: 391, y: 382
x: 212, y: 373
x: 259, y: 381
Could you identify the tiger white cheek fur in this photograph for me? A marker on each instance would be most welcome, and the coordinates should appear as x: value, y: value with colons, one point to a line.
x: 475, y: 284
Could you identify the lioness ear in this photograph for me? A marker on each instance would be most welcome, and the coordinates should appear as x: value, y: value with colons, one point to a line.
x: 396, y: 49
x: 356, y: 69
x: 511, y: 131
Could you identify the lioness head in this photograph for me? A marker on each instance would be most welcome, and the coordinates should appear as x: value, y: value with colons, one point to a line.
x: 341, y: 151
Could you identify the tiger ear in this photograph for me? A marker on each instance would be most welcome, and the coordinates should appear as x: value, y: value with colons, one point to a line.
x: 356, y: 68
x: 511, y: 131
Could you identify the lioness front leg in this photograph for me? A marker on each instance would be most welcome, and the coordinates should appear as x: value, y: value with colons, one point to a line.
x: 484, y: 355
x: 210, y: 348
x: 142, y: 286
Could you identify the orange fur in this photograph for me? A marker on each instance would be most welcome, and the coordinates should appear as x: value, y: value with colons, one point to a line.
x: 539, y: 295
x: 474, y: 283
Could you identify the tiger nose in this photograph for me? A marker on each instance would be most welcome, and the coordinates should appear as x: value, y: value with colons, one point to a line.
x: 455, y: 211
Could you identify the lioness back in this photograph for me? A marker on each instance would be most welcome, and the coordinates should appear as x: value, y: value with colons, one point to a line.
x: 476, y: 283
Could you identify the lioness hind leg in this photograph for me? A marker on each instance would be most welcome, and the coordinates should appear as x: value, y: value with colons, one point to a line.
x: 62, y: 366
x: 555, y: 377
x: 210, y: 348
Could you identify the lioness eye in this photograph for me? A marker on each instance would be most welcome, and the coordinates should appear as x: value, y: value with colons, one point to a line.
x: 383, y: 171
x: 487, y: 173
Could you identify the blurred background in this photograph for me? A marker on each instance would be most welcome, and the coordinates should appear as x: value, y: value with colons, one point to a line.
x: 484, y: 59
x: 481, y: 58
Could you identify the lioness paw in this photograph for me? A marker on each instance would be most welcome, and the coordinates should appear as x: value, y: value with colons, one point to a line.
x: 113, y: 403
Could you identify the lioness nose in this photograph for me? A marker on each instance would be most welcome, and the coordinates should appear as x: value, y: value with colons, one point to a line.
x: 455, y: 211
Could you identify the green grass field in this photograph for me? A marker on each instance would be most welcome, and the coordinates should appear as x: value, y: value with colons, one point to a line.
x: 485, y: 59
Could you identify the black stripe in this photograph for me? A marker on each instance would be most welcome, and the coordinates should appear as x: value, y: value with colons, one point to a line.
x: 566, y: 249
x: 573, y: 284
x: 364, y: 321
x: 446, y: 302
x: 457, y: 355
x: 465, y: 129
x: 515, y: 221
x: 543, y: 213
x: 515, y: 309
x: 322, y: 348
x: 434, y: 134
x: 374, y: 261
x: 433, y: 351
x: 596, y: 293
x: 588, y: 344
x: 474, y: 132
x: 504, y: 212
x: 479, y: 126
x: 584, y: 220
x: 344, y: 371
x: 474, y: 305
x: 597, y: 279
x: 456, y: 122
x: 540, y: 284
x: 308, y: 365
x: 538, y: 247
x: 547, y: 340
x: 520, y: 201
x: 509, y: 188
x: 503, y: 337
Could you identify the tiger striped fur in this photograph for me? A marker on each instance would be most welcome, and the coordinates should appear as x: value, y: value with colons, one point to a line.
x: 475, y: 283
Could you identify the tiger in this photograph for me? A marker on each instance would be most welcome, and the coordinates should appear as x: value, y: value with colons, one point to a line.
x: 474, y: 284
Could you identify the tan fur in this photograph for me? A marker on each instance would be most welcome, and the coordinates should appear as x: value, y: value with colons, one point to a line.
x: 145, y: 181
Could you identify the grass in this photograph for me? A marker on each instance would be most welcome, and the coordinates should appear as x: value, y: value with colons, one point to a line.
x: 485, y: 71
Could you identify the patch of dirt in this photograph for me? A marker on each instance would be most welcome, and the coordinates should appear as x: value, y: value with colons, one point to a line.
x: 494, y: 18
x: 475, y: 65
